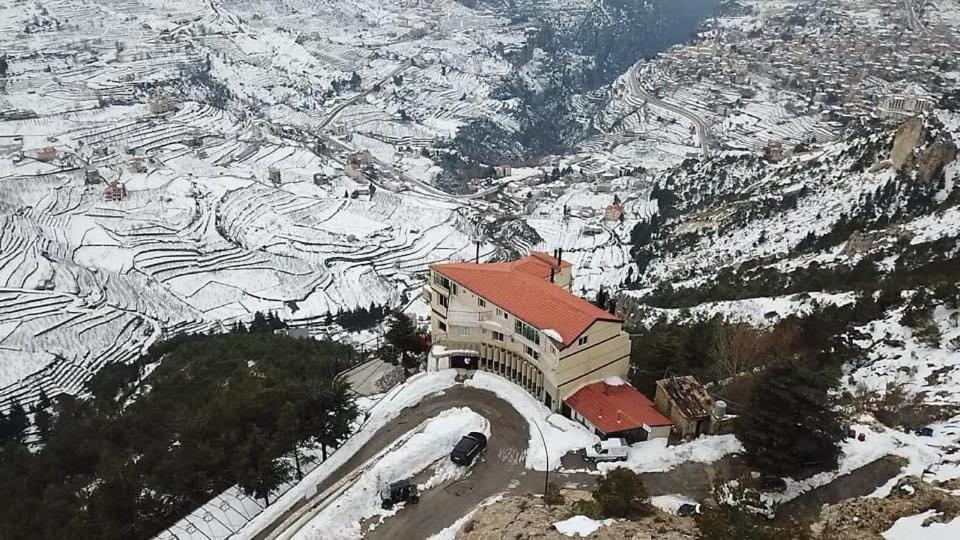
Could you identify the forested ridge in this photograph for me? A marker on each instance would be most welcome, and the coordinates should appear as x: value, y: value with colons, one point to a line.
x: 157, y: 439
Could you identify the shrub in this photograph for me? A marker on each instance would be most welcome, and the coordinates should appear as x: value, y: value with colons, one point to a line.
x: 552, y: 495
x: 621, y: 494
x: 586, y: 507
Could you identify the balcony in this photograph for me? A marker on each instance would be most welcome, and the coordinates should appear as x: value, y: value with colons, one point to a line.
x: 467, y: 318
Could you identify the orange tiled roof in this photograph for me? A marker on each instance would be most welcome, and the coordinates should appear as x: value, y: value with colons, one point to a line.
x: 523, y: 289
x: 614, y: 408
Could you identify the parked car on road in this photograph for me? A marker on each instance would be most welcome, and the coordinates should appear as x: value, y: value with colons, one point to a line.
x: 608, y: 450
x: 468, y: 448
x: 398, y: 492
x: 688, y: 509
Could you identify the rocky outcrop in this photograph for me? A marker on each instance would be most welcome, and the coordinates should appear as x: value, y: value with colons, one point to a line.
x: 526, y: 516
x: 867, y: 517
x: 931, y: 161
x: 906, y: 139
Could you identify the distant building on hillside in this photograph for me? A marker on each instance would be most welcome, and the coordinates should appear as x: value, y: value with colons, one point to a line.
x: 163, y: 105
x: 774, y: 151
x: 47, y: 154
x: 92, y: 176
x: 613, y: 212
x: 115, y: 191
x: 137, y: 165
x: 912, y: 102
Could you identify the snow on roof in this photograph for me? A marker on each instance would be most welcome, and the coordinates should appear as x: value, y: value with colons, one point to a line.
x: 553, y: 334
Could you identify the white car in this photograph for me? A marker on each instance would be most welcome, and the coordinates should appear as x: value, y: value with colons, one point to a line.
x: 608, y: 450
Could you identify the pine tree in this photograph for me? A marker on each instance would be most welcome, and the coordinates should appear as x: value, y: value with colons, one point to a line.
x: 13, y: 426
x: 789, y: 424
x: 42, y: 417
x: 404, y: 336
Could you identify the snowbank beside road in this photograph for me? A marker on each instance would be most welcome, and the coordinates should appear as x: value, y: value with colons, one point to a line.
x: 561, y: 434
x: 412, y: 391
x: 429, y: 442
x: 656, y: 456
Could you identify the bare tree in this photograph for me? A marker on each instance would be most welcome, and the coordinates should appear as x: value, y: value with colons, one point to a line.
x: 735, y: 349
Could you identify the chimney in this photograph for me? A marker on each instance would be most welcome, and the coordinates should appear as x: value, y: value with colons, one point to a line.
x: 551, y: 274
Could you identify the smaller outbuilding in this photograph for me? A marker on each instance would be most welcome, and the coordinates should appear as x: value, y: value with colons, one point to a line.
x: 691, y: 408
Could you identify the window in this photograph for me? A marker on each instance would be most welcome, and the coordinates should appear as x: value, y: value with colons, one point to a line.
x: 481, y: 302
x: 498, y: 336
x: 583, y: 340
x: 531, y: 353
x: 453, y: 289
x: 442, y: 325
x: 463, y: 330
x: 443, y: 300
x: 527, y: 331
x: 440, y: 280
x: 502, y: 313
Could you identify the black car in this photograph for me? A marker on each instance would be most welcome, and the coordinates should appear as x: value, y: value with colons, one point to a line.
x: 468, y: 448
x: 398, y: 492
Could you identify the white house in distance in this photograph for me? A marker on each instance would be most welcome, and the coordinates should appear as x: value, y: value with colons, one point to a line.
x: 519, y: 319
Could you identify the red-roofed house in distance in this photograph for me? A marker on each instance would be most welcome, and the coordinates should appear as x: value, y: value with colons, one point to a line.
x: 519, y: 319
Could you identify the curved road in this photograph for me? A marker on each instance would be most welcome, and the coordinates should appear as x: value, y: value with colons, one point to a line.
x: 912, y: 21
x: 703, y: 131
x: 501, y: 464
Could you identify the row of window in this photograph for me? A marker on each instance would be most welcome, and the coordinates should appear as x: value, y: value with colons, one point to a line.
x: 527, y: 331
x: 520, y: 327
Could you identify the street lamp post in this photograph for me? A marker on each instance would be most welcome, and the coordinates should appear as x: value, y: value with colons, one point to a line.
x: 546, y: 452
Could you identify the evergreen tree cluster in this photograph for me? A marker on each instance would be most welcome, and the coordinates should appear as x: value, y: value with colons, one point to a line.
x: 261, y: 324
x: 138, y: 455
x: 789, y: 426
x: 917, y: 265
x: 361, y: 318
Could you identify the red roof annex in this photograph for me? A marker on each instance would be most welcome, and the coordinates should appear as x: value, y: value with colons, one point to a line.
x: 614, y: 408
x: 522, y: 288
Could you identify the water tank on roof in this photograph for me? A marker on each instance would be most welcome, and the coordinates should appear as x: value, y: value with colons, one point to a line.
x: 720, y: 408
